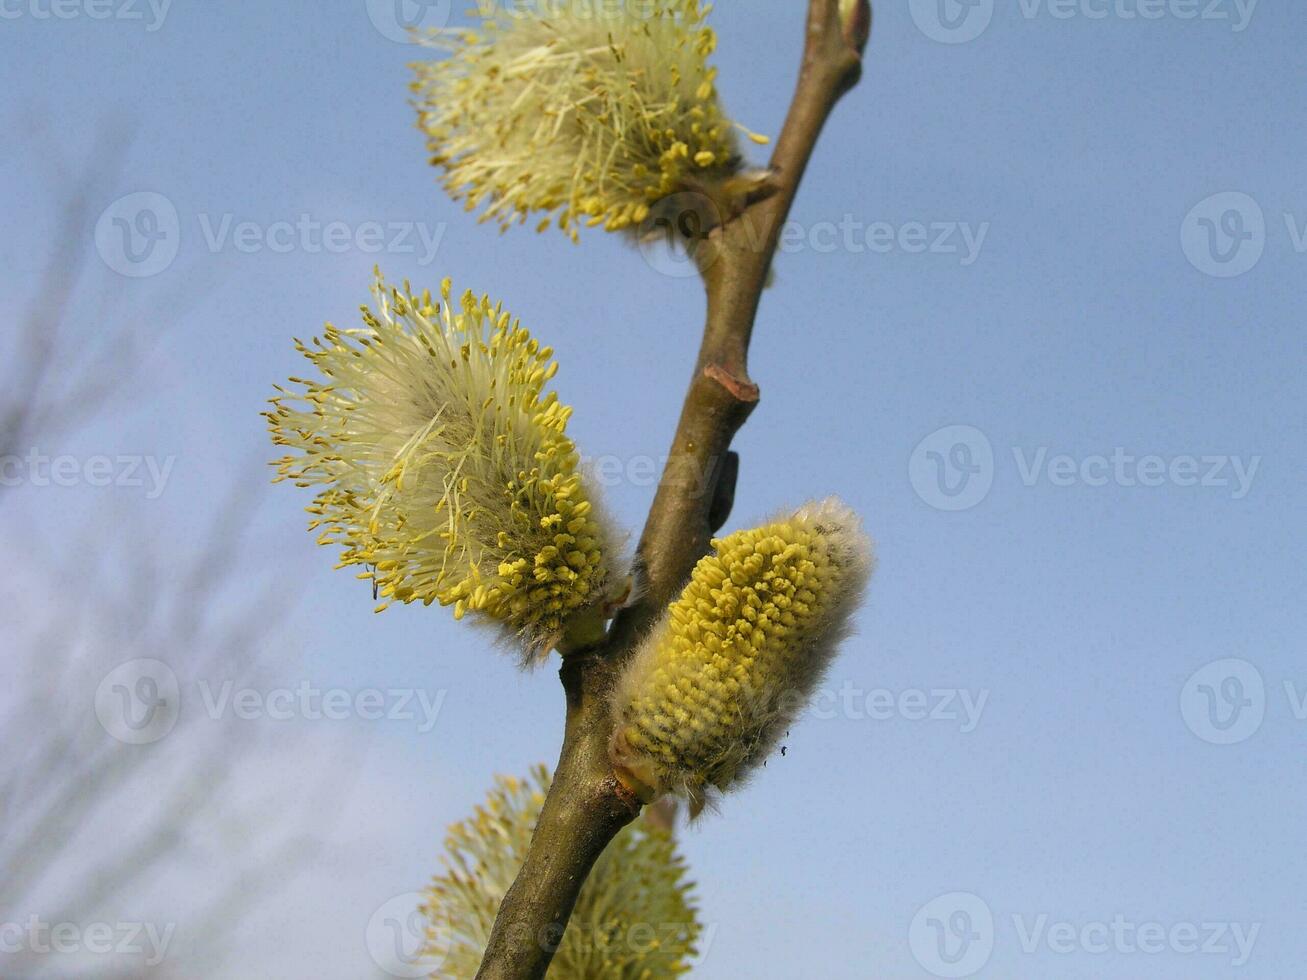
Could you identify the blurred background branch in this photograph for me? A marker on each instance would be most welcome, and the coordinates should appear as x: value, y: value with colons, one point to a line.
x: 97, y: 830
x: 58, y: 379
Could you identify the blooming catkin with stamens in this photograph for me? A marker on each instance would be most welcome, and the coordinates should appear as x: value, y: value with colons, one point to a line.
x: 447, y: 473
x: 634, y: 919
x: 584, y: 112
x: 717, y: 682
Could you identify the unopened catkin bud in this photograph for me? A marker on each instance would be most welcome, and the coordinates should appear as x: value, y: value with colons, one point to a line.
x: 720, y: 678
x: 855, y: 21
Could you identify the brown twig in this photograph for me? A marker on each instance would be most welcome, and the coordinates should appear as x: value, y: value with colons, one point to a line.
x: 587, y: 805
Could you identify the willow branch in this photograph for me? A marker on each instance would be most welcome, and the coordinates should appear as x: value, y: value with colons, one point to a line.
x: 587, y: 805
x: 736, y: 264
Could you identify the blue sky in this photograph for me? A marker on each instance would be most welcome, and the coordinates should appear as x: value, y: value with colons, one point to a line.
x: 1007, y: 331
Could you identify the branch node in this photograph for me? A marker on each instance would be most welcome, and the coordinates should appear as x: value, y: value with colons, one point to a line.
x: 627, y: 799
x: 741, y: 389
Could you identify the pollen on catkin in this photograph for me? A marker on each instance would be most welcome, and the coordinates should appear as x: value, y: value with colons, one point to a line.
x: 718, y: 680
x: 446, y: 472
x: 639, y: 885
x: 583, y: 113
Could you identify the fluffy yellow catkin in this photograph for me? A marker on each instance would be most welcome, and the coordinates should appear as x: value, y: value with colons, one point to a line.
x: 447, y: 473
x: 717, y: 682
x: 635, y: 918
x: 588, y: 113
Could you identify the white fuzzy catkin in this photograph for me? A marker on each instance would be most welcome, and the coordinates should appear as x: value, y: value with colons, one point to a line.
x: 585, y: 113
x: 447, y: 473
